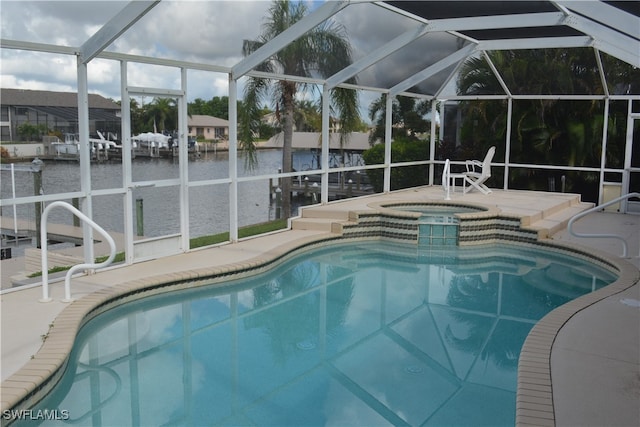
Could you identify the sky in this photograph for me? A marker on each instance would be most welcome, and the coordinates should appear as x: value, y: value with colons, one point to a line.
x: 200, y: 31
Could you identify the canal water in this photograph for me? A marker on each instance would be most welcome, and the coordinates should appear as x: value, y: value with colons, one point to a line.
x: 208, y: 205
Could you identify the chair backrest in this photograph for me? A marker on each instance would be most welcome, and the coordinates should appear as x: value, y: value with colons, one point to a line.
x: 486, y: 163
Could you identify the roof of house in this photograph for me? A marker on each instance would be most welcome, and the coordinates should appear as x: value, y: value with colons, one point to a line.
x: 358, y: 141
x: 46, y: 98
x: 207, y: 121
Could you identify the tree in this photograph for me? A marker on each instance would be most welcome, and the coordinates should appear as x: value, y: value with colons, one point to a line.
x: 137, y: 117
x: 218, y: 106
x: 404, y: 149
x: 199, y: 106
x: 544, y: 131
x: 307, y: 116
x: 407, y: 117
x: 323, y: 50
x: 162, y: 112
x: 31, y: 132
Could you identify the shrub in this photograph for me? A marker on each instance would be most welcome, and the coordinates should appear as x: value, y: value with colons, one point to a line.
x: 403, y: 149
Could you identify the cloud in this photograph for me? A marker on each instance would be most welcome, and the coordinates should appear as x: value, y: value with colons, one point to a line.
x: 209, y: 32
x: 66, y: 23
x: 31, y: 69
x: 200, y: 31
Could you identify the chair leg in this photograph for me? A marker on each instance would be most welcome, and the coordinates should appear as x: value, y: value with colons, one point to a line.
x: 480, y: 187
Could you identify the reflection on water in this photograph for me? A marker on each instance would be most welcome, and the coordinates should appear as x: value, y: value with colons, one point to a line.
x: 353, y: 334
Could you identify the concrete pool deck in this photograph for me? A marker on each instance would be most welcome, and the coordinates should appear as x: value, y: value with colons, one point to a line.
x: 593, y: 355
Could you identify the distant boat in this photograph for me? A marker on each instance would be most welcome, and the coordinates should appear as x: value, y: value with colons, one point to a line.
x: 69, y: 149
x: 149, y: 144
x: 154, y: 144
x: 152, y: 139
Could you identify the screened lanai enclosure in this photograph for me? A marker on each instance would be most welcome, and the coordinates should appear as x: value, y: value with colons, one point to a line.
x: 553, y: 85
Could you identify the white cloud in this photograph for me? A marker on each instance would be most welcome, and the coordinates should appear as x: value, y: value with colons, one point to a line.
x: 209, y: 32
x: 37, y: 69
x: 13, y: 82
x: 199, y: 31
x: 206, y: 85
x: 103, y: 72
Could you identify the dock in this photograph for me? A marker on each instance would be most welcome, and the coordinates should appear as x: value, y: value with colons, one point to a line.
x: 26, y: 229
x: 56, y: 233
x: 336, y: 191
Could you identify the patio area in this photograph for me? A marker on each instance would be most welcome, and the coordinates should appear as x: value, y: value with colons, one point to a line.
x: 580, y: 364
x: 593, y: 362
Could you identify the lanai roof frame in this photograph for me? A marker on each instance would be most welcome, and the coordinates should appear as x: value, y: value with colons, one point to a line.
x: 96, y: 45
x: 596, y: 24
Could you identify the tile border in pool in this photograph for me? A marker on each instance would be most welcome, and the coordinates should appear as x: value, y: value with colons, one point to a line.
x: 486, y: 225
x: 534, y: 401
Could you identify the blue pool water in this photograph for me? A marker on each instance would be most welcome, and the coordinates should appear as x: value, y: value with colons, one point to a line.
x: 367, y: 334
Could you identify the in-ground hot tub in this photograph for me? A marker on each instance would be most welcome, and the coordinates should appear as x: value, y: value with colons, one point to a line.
x: 438, y: 224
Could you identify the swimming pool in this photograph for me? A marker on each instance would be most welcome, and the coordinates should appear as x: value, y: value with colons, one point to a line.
x: 361, y: 333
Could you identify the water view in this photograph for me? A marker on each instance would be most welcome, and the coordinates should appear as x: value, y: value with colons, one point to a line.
x: 159, y: 198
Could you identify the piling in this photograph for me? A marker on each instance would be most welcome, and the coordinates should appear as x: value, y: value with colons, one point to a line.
x: 36, y: 167
x: 139, y: 217
x: 75, y: 202
x: 278, y: 203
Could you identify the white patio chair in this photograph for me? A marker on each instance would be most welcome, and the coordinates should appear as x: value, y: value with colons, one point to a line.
x: 478, y: 172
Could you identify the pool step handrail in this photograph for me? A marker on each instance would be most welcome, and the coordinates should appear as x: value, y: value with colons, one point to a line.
x: 595, y: 209
x: 45, y: 266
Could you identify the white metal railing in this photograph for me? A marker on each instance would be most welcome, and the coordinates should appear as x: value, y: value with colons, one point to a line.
x: 595, y: 209
x: 446, y: 179
x: 13, y: 168
x: 43, y: 239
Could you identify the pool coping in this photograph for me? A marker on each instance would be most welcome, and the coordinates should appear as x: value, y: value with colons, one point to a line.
x: 534, y: 396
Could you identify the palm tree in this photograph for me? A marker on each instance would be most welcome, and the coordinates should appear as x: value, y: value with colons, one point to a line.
x: 407, y: 116
x: 160, y: 111
x: 307, y: 117
x: 322, y: 51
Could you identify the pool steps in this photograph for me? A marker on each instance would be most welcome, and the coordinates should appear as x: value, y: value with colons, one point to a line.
x: 320, y: 219
x: 539, y: 224
x: 557, y: 221
x: 318, y: 224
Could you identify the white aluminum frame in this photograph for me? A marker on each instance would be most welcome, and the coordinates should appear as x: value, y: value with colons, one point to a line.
x: 606, y: 29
